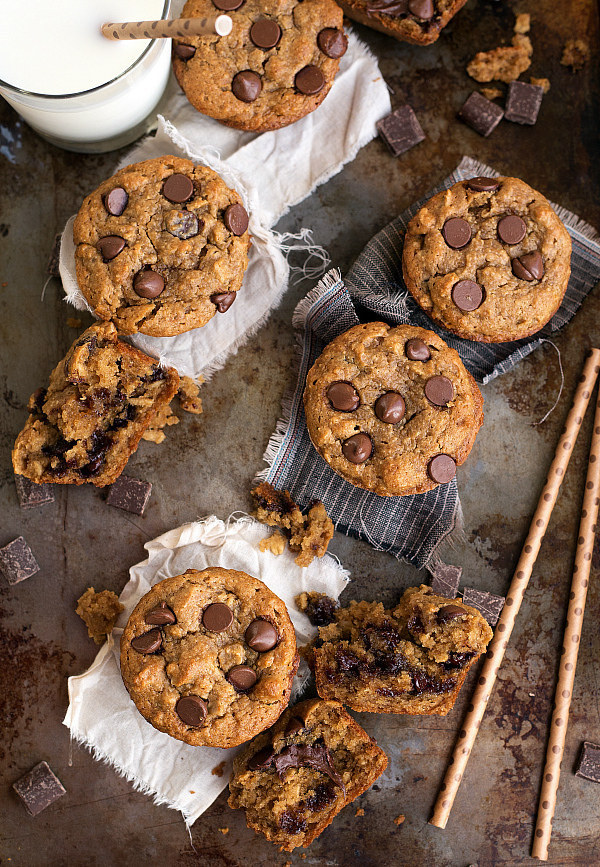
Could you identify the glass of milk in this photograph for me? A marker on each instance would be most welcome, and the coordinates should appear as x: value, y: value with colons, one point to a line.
x: 73, y: 86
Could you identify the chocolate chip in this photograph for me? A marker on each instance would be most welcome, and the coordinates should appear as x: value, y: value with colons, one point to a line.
x: 265, y: 33
x: 467, y: 295
x: 390, y: 407
x: 483, y: 185
x: 110, y: 246
x: 17, y: 561
x: 31, y: 495
x: 400, y: 130
x: 529, y: 267
x: 39, y: 788
x: 588, y: 764
x: 246, y: 85
x: 442, y: 469
x: 487, y: 603
x: 148, y: 284
x: 129, y: 494
x: 223, y: 301
x: 191, y: 710
x: 511, y: 229
x: 358, y: 448
x: 294, y: 726
x: 481, y: 114
x: 456, y: 233
x: 332, y: 42
x: 343, y: 396
x: 183, y: 51
x: 162, y: 615
x: 228, y: 5
x: 115, y: 201
x: 236, y: 219
x: 217, y: 617
x: 310, y: 80
x: 423, y: 9
x: 261, y: 635
x: 178, y: 188
x: 261, y: 759
x: 523, y: 102
x: 439, y: 390
x: 242, y: 677
x: 417, y: 350
x: 149, y: 642
x: 182, y: 224
x: 449, y: 612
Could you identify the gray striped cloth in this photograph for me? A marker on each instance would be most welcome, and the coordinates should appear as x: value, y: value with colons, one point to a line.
x: 410, y: 528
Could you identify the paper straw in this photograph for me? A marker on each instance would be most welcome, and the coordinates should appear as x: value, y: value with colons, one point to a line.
x: 570, y: 648
x: 514, y: 597
x: 180, y: 27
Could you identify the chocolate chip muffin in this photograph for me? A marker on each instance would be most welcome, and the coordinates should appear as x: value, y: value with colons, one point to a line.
x: 417, y: 21
x: 161, y: 247
x: 277, y: 64
x: 209, y: 657
x: 101, y: 399
x: 409, y: 660
x: 392, y: 409
x: 293, y: 780
x: 488, y: 259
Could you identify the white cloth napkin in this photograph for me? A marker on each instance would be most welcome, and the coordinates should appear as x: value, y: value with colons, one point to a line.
x: 272, y: 171
x: 103, y: 717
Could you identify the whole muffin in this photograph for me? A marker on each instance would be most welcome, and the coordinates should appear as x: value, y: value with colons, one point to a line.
x: 488, y: 259
x: 209, y: 657
x: 392, y: 409
x: 277, y: 64
x: 161, y: 247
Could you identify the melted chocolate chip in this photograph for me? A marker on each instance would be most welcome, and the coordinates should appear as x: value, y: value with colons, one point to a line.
x: 456, y: 233
x: 321, y: 610
x: 417, y: 350
x: 315, y: 756
x: 390, y: 407
x: 110, y: 246
x: 332, y: 42
x: 115, y: 201
x: 511, y: 229
x: 323, y: 796
x: 236, y: 219
x: 265, y: 33
x: 246, y: 85
x: 458, y: 660
x: 439, y: 390
x: 423, y: 9
x: 162, y: 615
x: 294, y: 726
x: 261, y: 635
x: 178, y: 188
x: 148, y: 284
x: 291, y: 822
x: 309, y: 81
x: 149, y: 642
x: 343, y: 396
x: 529, y: 267
x: 223, y: 301
x: 442, y: 469
x: 358, y: 448
x: 261, y: 759
x: 447, y: 613
x: 483, y: 185
x: 217, y: 617
x: 425, y: 683
x: 191, y: 710
x: 242, y: 677
x: 228, y: 5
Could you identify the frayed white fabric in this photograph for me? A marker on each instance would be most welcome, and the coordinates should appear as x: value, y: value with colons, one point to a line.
x: 101, y: 715
x: 272, y: 172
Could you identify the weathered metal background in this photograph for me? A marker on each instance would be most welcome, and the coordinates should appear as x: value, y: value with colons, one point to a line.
x: 102, y: 821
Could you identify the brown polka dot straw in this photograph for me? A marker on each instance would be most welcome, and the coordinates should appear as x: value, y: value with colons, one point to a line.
x: 181, y: 27
x: 537, y: 530
x: 570, y: 645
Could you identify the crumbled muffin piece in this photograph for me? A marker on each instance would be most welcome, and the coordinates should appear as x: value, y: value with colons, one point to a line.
x: 318, y: 607
x: 165, y: 417
x: 312, y: 539
x: 505, y: 63
x: 540, y: 82
x: 491, y: 93
x: 188, y: 394
x: 523, y: 23
x: 99, y: 612
x: 359, y: 812
x: 575, y: 54
x: 275, y: 508
x: 219, y: 769
x: 275, y: 544
x: 399, y: 820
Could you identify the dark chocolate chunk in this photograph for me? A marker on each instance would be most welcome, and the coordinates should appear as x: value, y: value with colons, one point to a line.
x: 417, y: 350
x: 115, y: 201
x: 332, y: 42
x: 447, y: 613
x: 148, y: 642
x: 228, y: 5
x: 148, y: 284
x: 445, y: 579
x: 39, y: 788
x: 110, y: 246
x: 439, y: 390
x: 511, y: 229
x: 489, y: 605
x: 183, y: 51
x: 456, y: 233
x: 390, y: 407
x: 588, y: 764
x: 358, y: 448
x: 523, y: 102
x: 261, y: 760
x: 483, y: 185
x: 265, y: 33
x: 261, y: 635
x: 467, y: 295
x: 309, y: 80
x: 52, y: 266
x: 343, y: 396
x: 242, y: 677
x: 182, y: 224
x: 191, y: 710
x: 17, y: 561
x: 529, y: 267
x: 162, y: 615
x: 31, y: 495
x: 294, y: 726
x: 223, y: 300
x: 217, y: 617
x: 400, y: 130
x: 129, y: 494
x: 246, y: 85
x: 481, y: 114
x: 315, y: 756
x: 442, y: 469
x: 423, y: 9
x: 236, y: 219
x: 178, y: 188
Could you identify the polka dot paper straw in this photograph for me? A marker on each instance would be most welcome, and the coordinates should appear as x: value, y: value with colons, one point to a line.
x: 514, y: 597
x: 180, y: 27
x: 570, y: 648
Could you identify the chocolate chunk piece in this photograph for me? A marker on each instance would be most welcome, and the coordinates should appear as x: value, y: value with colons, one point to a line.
x: 439, y: 390
x: 183, y: 51
x: 442, y: 469
x: 223, y: 300
x: 178, y: 188
x: 481, y: 114
x: 110, y: 246
x: 529, y: 267
x: 149, y: 642
x: 343, y: 396
x: 52, y: 266
x: 456, y: 233
x: 417, y: 350
x: 448, y: 613
x: 483, y: 185
x: 265, y: 33
x: 242, y: 677
x: 332, y: 42
x: 31, y: 495
x: 246, y: 85
x: 490, y: 606
x: 17, y: 561
x: 148, y: 284
x: 588, y: 764
x: 39, y: 788
x: 261, y: 635
x: 129, y: 494
x: 182, y: 224
x: 401, y: 130
x: 315, y: 756
x: 467, y: 295
x: 445, y: 579
x: 236, y: 219
x: 358, y: 448
x: 116, y: 201
x: 423, y: 9
x: 390, y: 407
x: 191, y: 710
x: 162, y: 615
x: 310, y: 80
x: 511, y: 229
x: 217, y: 617
x: 523, y: 102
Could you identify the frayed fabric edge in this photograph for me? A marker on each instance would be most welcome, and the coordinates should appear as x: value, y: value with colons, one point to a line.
x: 326, y: 283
